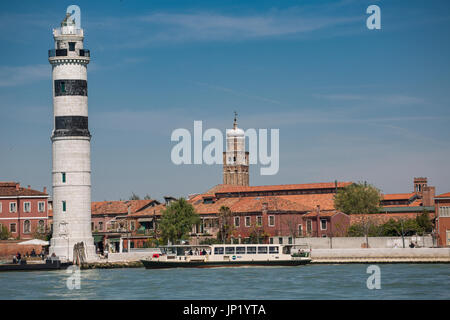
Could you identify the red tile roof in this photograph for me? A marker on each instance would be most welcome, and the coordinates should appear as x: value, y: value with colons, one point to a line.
x: 322, y: 213
x: 14, y: 189
x: 444, y: 195
x: 398, y: 196
x: 119, y: 207
x: 149, y: 211
x: 322, y: 185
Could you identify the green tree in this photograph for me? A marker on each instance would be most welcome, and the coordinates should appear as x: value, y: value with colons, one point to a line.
x: 134, y: 197
x: 4, y: 232
x: 177, y: 221
x: 424, y: 223
x: 225, y: 217
x: 358, y: 198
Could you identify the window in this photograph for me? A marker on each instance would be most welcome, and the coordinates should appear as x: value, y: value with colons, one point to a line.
x: 251, y: 250
x: 27, y: 207
x: 12, y: 228
x: 132, y: 225
x: 262, y: 250
x: 271, y: 221
x: 229, y: 250
x: 41, y: 206
x: 309, y: 226
x: 41, y: 226
x: 218, y: 250
x: 236, y: 221
x: 63, y: 176
x: 444, y: 212
x: 26, y: 226
x: 247, y: 221
x: 290, y: 240
x: 259, y: 220
x: 71, y: 46
x: 273, y: 250
x: 240, y: 250
x: 323, y: 224
x: 271, y: 240
x: 63, y: 86
x: 92, y: 226
x: 12, y: 207
x: 100, y: 226
x: 280, y: 240
x: 64, y: 207
x: 300, y: 230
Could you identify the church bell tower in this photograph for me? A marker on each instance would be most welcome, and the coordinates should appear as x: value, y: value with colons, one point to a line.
x: 235, y: 158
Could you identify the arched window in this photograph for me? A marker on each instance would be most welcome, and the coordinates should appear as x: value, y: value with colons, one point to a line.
x: 41, y: 226
x: 26, y: 226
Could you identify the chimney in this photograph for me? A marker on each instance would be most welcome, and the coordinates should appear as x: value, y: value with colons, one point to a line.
x: 45, y: 189
x: 17, y: 186
x: 29, y: 187
x: 265, y: 205
x: 129, y: 209
x: 428, y: 196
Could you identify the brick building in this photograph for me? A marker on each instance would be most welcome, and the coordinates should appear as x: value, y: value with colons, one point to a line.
x: 443, y: 219
x: 23, y: 211
x: 110, y: 224
x: 272, y: 212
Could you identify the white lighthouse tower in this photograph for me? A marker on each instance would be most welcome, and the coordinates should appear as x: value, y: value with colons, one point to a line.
x: 71, y: 172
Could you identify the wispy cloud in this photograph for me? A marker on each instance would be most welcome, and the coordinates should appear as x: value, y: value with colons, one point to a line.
x: 237, y: 93
x: 398, y: 99
x: 214, y: 26
x: 18, y: 75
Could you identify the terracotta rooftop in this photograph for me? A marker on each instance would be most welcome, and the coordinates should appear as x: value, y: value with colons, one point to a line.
x: 322, y: 213
x: 149, y: 211
x: 120, y: 207
x: 321, y: 185
x: 14, y: 189
x: 398, y: 196
x: 444, y: 195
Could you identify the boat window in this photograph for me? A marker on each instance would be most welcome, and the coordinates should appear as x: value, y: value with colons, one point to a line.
x: 273, y: 250
x: 240, y: 250
x: 251, y: 250
x: 262, y: 249
x: 218, y: 250
x: 287, y: 250
x: 229, y: 250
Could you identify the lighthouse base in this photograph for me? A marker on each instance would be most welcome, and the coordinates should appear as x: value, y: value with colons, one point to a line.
x: 63, y: 248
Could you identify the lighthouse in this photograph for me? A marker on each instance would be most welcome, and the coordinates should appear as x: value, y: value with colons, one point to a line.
x: 71, y: 155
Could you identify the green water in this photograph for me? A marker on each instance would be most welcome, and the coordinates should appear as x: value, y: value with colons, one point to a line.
x: 398, y: 281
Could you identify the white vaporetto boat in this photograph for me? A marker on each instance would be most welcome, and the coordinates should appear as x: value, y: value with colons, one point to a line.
x: 229, y: 255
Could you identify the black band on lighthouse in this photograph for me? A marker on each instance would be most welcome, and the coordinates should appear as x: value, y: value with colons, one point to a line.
x: 71, y: 126
x: 70, y: 87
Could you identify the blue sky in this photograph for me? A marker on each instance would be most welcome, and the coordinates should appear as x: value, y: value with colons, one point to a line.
x: 351, y: 104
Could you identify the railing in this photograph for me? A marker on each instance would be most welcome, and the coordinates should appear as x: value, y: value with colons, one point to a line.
x: 63, y: 53
x: 57, y: 53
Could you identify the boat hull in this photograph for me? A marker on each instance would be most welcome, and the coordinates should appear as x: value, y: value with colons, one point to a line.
x: 34, y: 266
x: 155, y: 264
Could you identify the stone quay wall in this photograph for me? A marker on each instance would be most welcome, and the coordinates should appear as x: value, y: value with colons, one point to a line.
x: 360, y: 242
